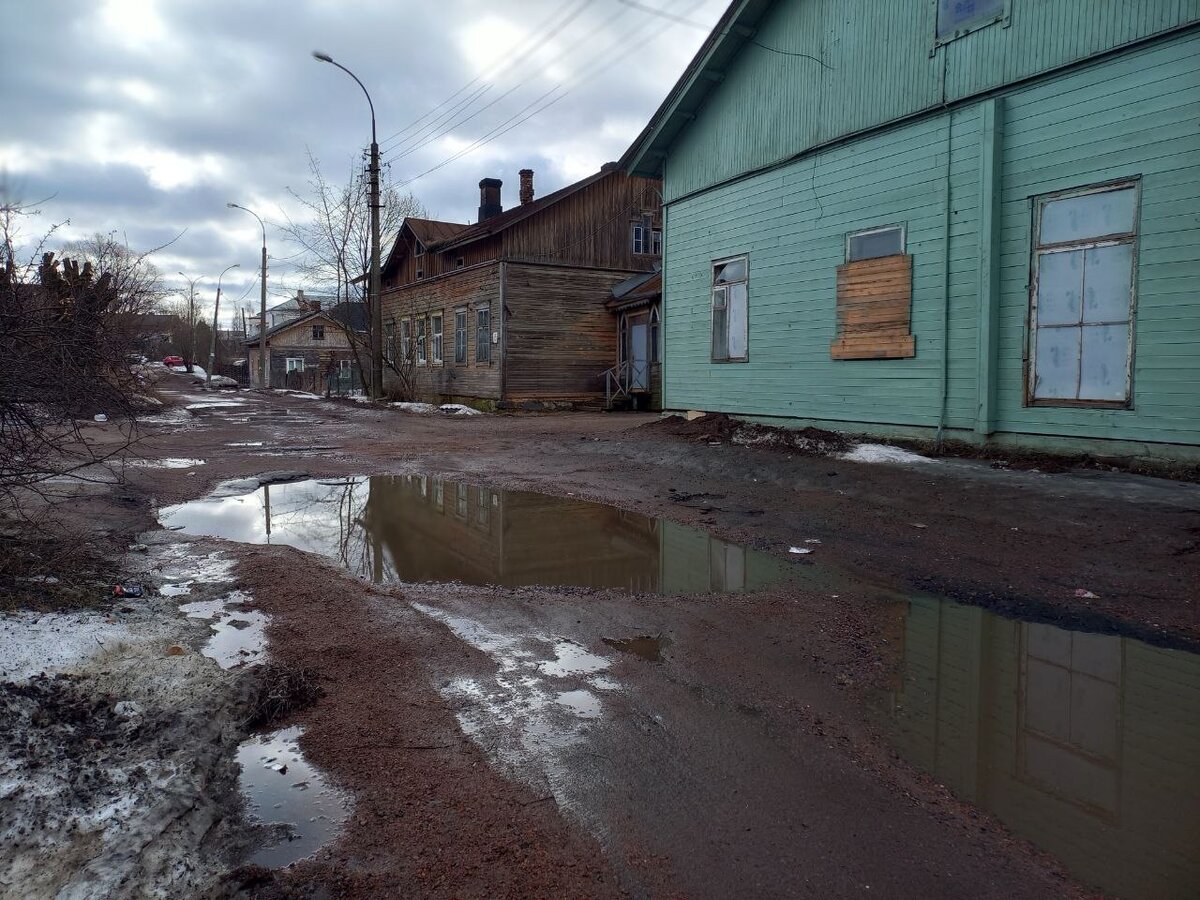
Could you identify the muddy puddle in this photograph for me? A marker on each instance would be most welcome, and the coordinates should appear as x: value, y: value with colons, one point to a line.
x: 1086, y: 744
x: 285, y: 791
x: 423, y: 529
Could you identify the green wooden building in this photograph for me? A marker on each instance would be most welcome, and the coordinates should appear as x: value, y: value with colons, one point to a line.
x: 969, y: 219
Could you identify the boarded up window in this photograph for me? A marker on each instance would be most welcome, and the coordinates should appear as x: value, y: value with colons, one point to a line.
x: 874, y: 300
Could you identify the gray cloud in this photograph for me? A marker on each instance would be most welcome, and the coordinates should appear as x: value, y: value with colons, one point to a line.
x: 147, y: 116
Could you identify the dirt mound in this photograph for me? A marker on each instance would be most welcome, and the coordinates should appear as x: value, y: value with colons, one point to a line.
x: 720, y: 428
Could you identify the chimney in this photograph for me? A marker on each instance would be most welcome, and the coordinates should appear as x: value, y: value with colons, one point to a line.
x: 489, y: 198
x: 526, y: 186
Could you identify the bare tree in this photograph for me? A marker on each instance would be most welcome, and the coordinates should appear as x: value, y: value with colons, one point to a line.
x: 67, y: 328
x: 333, y: 237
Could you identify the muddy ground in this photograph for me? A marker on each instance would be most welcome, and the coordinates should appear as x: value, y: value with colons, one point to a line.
x: 746, y: 759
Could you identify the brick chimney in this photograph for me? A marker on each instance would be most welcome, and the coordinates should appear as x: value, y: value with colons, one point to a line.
x: 489, y: 198
x: 526, y: 186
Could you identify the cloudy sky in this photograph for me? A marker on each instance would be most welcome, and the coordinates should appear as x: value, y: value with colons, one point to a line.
x: 146, y: 117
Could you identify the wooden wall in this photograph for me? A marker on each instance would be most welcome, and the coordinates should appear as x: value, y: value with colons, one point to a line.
x: 471, y: 288
x: 559, y: 337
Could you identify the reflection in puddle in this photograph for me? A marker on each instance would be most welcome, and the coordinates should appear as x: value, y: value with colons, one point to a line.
x: 238, y: 634
x: 416, y: 528
x: 281, y: 787
x: 584, y: 704
x: 1086, y: 744
x: 646, y: 647
x: 168, y: 463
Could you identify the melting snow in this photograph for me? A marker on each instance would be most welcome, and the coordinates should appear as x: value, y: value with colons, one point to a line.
x: 882, y: 453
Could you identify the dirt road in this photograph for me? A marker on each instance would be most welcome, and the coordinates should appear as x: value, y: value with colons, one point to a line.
x: 533, y: 740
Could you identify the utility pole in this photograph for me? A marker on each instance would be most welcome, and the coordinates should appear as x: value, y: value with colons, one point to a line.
x: 374, y: 297
x: 264, y: 356
x: 212, y: 344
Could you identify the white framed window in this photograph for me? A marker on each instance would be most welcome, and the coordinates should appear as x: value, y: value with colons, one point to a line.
x: 640, y: 239
x: 460, y: 337
x: 435, y: 336
x: 421, y: 359
x: 956, y: 18
x: 730, y: 309
x: 345, y: 364
x: 405, y: 340
x: 389, y: 342
x: 1082, y: 296
x: 656, y: 241
x: 483, y: 335
x: 873, y: 243
x: 295, y: 364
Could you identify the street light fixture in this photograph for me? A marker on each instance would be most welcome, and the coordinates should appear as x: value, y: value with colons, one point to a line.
x: 265, y: 371
x: 373, y: 293
x: 191, y: 357
x: 212, y: 344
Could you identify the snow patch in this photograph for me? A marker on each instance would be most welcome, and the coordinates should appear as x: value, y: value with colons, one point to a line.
x: 36, y: 643
x: 420, y: 409
x: 459, y: 409
x: 882, y: 453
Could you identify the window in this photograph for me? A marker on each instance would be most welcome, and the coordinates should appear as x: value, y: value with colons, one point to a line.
x: 730, y: 315
x: 460, y: 337
x: 875, y: 243
x: 420, y: 273
x: 344, y: 364
x: 389, y: 342
x: 874, y: 297
x: 483, y: 335
x: 319, y: 332
x: 459, y: 263
x: 419, y: 250
x: 656, y: 241
x: 435, y: 331
x: 1082, y: 296
x: 654, y: 330
x: 640, y: 244
x: 421, y: 341
x: 956, y: 18
x: 295, y: 364
x: 405, y: 340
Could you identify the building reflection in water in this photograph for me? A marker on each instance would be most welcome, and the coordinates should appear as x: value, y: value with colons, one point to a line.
x: 1087, y: 744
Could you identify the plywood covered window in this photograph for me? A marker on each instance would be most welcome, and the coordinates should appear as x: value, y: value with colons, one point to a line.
x: 730, y: 309
x: 1082, y: 297
x: 874, y: 297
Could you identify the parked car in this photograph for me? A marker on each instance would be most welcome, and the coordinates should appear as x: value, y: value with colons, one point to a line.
x: 172, y: 360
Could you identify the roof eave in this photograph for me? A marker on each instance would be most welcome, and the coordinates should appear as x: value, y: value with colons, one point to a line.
x: 645, y: 156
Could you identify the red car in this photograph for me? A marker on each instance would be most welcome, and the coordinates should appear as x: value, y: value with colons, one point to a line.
x: 172, y: 360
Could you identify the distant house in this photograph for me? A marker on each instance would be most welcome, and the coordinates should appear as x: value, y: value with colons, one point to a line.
x: 975, y: 221
x: 511, y: 311
x: 637, y: 380
x: 292, y: 308
x: 318, y: 351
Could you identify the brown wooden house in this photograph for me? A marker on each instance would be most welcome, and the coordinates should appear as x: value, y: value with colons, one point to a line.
x: 318, y: 351
x: 511, y: 311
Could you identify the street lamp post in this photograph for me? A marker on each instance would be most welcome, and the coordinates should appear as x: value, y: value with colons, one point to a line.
x: 264, y: 359
x: 212, y: 344
x: 191, y: 353
x: 373, y: 294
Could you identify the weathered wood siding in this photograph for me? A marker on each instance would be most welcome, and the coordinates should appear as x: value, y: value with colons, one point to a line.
x: 1131, y: 114
x: 473, y: 288
x: 559, y: 338
x: 592, y: 227
x: 876, y: 66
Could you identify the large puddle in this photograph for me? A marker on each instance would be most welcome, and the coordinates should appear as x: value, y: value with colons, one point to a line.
x: 1087, y: 744
x: 418, y: 528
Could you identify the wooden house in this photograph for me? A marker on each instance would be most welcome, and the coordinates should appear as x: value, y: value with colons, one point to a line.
x: 510, y: 311
x: 320, y: 350
x: 637, y: 379
x: 950, y: 220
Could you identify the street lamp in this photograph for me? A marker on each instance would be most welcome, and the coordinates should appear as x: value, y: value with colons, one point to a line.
x: 212, y: 344
x: 373, y: 294
x: 191, y: 353
x: 265, y: 376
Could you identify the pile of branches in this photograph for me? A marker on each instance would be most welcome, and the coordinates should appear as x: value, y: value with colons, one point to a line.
x: 66, y: 331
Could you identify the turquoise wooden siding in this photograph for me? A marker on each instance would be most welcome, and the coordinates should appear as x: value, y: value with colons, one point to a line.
x: 1130, y: 114
x: 878, y: 68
